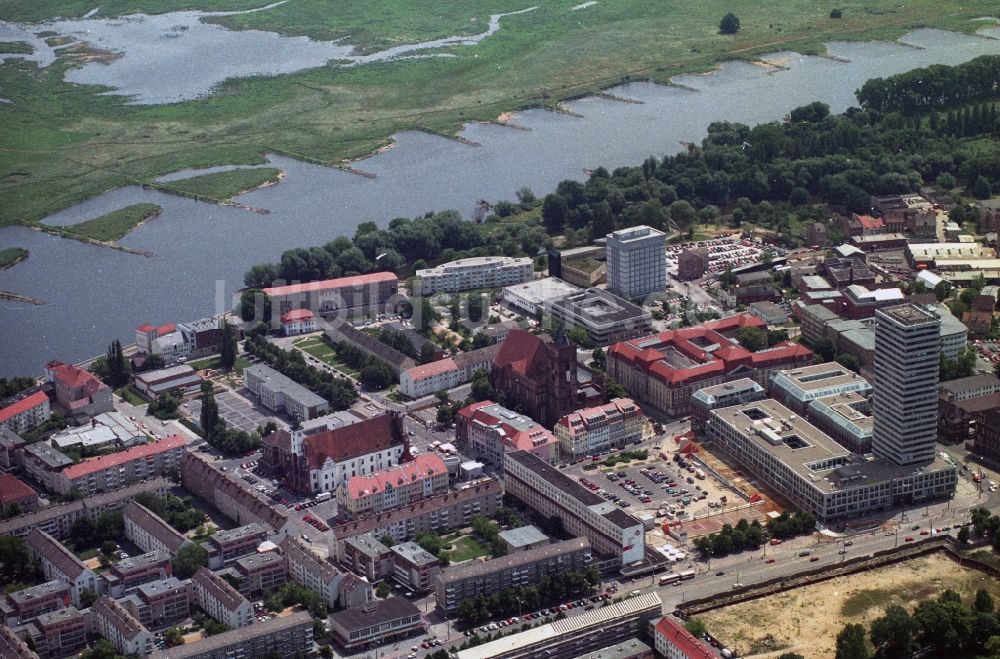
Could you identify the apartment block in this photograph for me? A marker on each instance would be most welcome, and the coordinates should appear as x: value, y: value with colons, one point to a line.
x: 23, y: 606
x: 287, y: 636
x: 525, y: 568
x: 13, y: 647
x: 60, y: 564
x: 473, y: 273
x: 78, y: 392
x: 316, y: 574
x: 115, y: 623
x: 413, y: 567
x: 278, y: 393
x: 260, y: 572
x: 673, y: 641
x: 726, y: 394
x: 113, y: 471
x: 128, y: 574
x: 25, y: 411
x: 161, y: 603
x: 421, y: 477
x: 149, y: 531
x: 488, y: 431
x: 378, y: 622
x: 597, y: 430
x: 225, y: 547
x: 367, y: 556
x: 355, y: 295
x: 220, y: 600
x: 548, y: 491
x: 60, y: 633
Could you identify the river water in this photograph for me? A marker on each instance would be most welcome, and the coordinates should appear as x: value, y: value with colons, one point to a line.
x: 201, y: 250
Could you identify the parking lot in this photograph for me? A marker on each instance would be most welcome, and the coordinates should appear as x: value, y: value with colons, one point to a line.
x: 239, y: 410
x: 730, y: 251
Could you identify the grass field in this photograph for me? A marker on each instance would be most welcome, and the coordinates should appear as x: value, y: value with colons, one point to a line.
x: 130, y: 396
x: 12, y: 256
x: 812, y: 616
x: 322, y: 351
x: 15, y: 48
x: 213, y: 362
x: 62, y: 143
x: 112, y: 226
x: 466, y: 548
x: 222, y: 186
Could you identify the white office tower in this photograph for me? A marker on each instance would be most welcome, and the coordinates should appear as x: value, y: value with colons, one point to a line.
x: 637, y: 263
x: 907, y: 355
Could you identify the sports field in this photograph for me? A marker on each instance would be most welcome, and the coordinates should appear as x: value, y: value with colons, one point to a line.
x: 61, y: 143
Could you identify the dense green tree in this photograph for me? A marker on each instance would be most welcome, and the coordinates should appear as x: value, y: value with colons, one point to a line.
x: 554, y: 211
x: 849, y: 361
x: 695, y: 625
x: 682, y: 212
x: 102, y: 649
x: 982, y: 189
x: 600, y: 361
x: 752, y: 338
x: 188, y: 560
x: 824, y: 349
x: 892, y: 633
x: 942, y: 291
x: 851, y: 642
x: 227, y: 346
x: 983, y: 602
x: 255, y: 306
x: 209, y: 417
x: 15, y: 561
x: 482, y: 389
x: 383, y: 590
x: 117, y: 366
x: 729, y: 24
x: 173, y: 637
x: 835, y: 13
x: 376, y: 375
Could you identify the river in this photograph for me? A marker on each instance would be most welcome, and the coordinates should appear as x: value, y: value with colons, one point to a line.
x: 201, y: 250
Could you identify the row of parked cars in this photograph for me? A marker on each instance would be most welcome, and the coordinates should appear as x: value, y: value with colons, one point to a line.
x: 315, y: 523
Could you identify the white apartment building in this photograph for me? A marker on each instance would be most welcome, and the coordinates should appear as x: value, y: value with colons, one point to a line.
x: 117, y: 625
x: 149, y: 531
x: 319, y: 576
x: 60, y: 564
x: 447, y: 373
x: 636, y: 261
x: 278, y: 392
x: 220, y: 600
x: 597, y: 430
x: 473, y: 273
x: 26, y: 412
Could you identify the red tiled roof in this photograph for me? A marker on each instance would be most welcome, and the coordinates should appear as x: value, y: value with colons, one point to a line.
x: 297, y: 314
x: 432, y: 369
x: 649, y: 352
x: 682, y: 639
x: 342, y: 282
x: 519, y: 350
x: 166, y: 328
x: 350, y: 441
x: 72, y: 376
x: 869, y: 222
x: 146, y: 328
x: 423, y: 466
x: 102, y: 462
x: 12, y: 490
x: 23, y: 405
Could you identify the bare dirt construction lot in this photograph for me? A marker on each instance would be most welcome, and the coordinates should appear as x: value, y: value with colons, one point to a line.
x: 810, y: 617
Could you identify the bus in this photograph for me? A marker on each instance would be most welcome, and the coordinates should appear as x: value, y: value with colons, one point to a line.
x: 669, y: 578
x: 687, y: 574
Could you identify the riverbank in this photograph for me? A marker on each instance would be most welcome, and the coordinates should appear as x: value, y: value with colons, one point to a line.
x: 332, y: 115
x: 110, y: 227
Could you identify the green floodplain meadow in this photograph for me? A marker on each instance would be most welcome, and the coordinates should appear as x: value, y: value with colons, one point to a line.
x: 61, y: 143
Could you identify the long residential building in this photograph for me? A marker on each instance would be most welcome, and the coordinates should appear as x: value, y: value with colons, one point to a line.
x: 378, y: 622
x: 25, y: 411
x: 57, y: 519
x: 472, y: 273
x: 324, y: 459
x: 813, y: 471
x: 446, y: 373
x: 220, y: 600
x: 149, y: 531
x: 288, y: 636
x: 673, y: 641
x: 13, y: 647
x: 78, y: 392
x: 439, y: 514
x: 345, y: 295
x: 114, y: 622
x: 489, y: 431
x: 278, y: 392
x: 665, y: 369
x: 161, y: 603
x: 421, y: 477
x: 596, y: 430
x: 115, y: 470
x: 525, y: 568
x: 241, y: 505
x: 575, y: 636
x: 551, y: 493
x: 60, y: 564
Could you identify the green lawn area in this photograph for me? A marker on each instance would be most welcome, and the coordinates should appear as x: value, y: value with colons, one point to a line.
x: 61, y: 143
x: 221, y: 186
x: 130, y: 396
x: 322, y: 351
x: 213, y: 362
x: 112, y: 226
x: 12, y: 255
x: 466, y: 548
